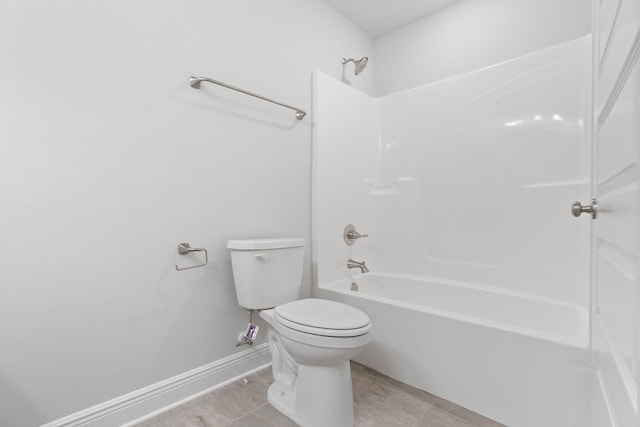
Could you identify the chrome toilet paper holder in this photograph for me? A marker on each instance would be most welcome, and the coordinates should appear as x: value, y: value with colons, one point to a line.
x: 185, y: 248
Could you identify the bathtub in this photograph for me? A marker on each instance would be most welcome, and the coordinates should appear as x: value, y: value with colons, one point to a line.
x: 518, y: 359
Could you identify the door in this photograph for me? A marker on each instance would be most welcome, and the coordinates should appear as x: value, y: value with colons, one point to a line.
x: 616, y: 230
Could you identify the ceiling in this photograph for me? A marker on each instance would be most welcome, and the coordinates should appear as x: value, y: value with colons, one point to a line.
x: 379, y: 17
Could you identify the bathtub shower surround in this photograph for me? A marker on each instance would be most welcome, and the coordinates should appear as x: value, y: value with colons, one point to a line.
x: 477, y: 290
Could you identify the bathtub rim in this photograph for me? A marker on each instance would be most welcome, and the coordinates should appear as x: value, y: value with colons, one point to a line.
x: 579, y: 340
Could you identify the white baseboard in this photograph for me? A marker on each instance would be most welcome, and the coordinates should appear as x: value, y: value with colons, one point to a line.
x: 162, y: 396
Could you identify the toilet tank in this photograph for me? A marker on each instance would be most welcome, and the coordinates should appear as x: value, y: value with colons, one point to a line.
x: 266, y: 272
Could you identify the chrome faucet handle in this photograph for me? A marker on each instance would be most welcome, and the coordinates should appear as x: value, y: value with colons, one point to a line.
x: 350, y: 235
x: 356, y: 235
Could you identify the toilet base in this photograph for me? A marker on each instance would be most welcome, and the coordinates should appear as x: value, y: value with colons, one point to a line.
x: 283, y: 401
x: 322, y: 396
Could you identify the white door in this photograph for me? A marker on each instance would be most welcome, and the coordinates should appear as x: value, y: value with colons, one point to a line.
x: 616, y: 230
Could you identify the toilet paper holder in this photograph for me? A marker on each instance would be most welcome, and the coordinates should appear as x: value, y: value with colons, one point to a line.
x: 185, y: 248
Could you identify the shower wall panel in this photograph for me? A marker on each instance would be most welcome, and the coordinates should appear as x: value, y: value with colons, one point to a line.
x: 487, y: 165
x: 345, y: 131
x: 468, y: 179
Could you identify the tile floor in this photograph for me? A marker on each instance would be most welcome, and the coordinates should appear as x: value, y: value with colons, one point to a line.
x: 379, y: 401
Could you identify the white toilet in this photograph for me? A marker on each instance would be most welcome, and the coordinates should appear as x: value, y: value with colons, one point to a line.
x: 311, y: 340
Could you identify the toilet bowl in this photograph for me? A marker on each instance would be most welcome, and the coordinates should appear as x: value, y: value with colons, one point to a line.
x: 311, y: 354
x: 311, y: 340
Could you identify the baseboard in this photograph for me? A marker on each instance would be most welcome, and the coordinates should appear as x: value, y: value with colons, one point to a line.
x: 162, y: 396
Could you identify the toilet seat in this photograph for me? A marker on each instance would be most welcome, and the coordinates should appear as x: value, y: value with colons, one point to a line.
x: 322, y: 317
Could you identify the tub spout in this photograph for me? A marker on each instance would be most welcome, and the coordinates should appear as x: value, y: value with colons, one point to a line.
x: 355, y: 264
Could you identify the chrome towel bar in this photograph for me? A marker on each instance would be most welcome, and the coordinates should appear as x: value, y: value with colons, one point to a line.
x: 185, y: 248
x: 194, y: 82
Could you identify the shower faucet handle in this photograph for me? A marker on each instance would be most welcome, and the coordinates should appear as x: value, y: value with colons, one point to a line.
x: 350, y: 235
x: 356, y: 235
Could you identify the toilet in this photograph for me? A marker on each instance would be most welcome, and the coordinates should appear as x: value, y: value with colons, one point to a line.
x: 311, y: 340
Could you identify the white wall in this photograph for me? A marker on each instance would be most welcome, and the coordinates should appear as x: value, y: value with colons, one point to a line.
x: 472, y: 34
x: 109, y: 160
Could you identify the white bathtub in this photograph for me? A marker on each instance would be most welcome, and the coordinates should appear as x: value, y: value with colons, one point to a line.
x: 518, y: 359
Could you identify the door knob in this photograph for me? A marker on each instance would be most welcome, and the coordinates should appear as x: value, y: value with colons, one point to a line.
x: 577, y: 209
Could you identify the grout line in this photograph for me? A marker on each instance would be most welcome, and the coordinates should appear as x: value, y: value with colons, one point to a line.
x: 250, y: 412
x: 427, y: 409
x: 247, y: 414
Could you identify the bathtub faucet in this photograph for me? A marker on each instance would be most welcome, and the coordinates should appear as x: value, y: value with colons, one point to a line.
x: 355, y: 264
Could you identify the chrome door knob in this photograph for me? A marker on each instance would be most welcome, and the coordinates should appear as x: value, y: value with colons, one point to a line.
x: 578, y: 209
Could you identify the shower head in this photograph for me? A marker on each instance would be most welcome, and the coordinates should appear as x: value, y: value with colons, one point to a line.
x: 359, y: 63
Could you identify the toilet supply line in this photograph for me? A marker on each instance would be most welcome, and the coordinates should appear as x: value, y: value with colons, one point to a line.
x: 251, y: 333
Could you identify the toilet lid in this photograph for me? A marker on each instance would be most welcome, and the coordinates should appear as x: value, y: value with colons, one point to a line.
x: 323, y: 317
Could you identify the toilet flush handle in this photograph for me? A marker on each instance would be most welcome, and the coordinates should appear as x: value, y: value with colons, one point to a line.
x: 262, y: 257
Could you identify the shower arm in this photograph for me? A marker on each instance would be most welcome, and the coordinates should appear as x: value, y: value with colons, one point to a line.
x: 194, y: 82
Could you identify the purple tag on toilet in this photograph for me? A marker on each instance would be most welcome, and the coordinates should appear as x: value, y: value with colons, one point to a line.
x: 252, y: 331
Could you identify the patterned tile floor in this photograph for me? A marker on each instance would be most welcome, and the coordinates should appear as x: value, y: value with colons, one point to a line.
x: 379, y: 401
